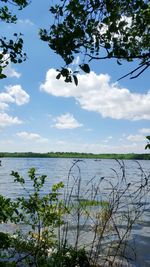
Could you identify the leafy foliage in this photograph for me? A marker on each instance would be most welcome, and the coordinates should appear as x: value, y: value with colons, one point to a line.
x: 69, y: 257
x: 7, y: 209
x: 101, y: 30
x: 44, y: 211
x: 67, y: 75
x: 41, y: 214
x: 93, y: 29
x: 11, y: 50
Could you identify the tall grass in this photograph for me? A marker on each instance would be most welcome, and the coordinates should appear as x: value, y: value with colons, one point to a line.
x: 103, y: 213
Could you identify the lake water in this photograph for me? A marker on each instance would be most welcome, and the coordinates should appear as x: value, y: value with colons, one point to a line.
x: 110, y: 171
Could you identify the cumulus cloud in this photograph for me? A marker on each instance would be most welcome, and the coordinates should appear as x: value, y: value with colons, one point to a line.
x: 97, y: 93
x: 139, y: 137
x: 145, y: 130
x: 66, y: 121
x: 13, y: 94
x: 3, y: 106
x: 6, y: 120
x: 6, y: 98
x: 19, y: 95
x: 136, y: 138
x: 11, y: 72
x: 26, y: 136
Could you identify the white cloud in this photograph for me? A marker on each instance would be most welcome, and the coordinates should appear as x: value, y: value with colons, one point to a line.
x: 11, y: 72
x: 6, y: 120
x: 145, y: 130
x: 27, y: 22
x: 139, y: 137
x: 96, y: 93
x: 3, y: 106
x: 97, y: 147
x: 66, y: 145
x: 26, y: 136
x: 13, y: 94
x: 6, y: 98
x: 19, y: 95
x: 136, y: 138
x: 66, y: 121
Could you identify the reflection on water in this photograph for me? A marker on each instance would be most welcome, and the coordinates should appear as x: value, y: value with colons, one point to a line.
x: 91, y: 170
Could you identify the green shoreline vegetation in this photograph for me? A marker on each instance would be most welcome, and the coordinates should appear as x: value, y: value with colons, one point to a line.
x: 56, y: 225
x: 130, y: 156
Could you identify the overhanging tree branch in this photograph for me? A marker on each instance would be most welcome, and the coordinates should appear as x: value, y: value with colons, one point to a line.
x: 94, y: 28
x: 143, y: 66
x: 11, y: 50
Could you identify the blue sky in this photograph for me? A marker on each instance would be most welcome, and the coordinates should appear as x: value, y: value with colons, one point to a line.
x: 39, y: 113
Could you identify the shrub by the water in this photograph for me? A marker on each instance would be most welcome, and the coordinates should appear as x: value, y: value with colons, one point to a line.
x: 73, y: 226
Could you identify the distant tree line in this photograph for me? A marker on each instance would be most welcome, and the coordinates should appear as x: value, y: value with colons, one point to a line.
x: 75, y: 155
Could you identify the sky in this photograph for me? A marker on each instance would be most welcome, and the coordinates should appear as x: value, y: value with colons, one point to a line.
x: 39, y: 113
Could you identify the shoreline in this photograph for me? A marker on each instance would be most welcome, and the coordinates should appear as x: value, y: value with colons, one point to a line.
x: 128, y: 156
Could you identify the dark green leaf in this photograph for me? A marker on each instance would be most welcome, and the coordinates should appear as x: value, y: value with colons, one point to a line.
x: 85, y: 68
x: 75, y: 80
x: 58, y: 76
x: 2, y: 76
x: 147, y: 146
x: 64, y: 72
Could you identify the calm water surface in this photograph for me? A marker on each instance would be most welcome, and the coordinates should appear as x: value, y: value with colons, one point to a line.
x: 57, y: 170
